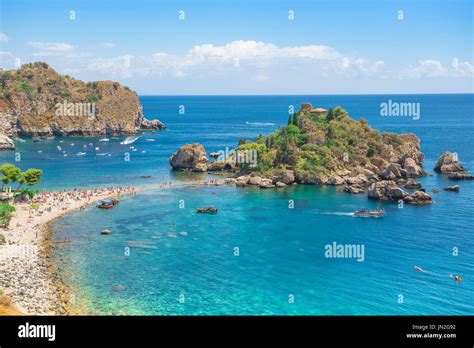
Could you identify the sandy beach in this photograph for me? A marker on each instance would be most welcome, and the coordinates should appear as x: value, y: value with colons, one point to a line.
x: 25, y: 272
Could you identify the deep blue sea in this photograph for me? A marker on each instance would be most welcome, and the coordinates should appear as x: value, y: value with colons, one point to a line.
x: 257, y: 255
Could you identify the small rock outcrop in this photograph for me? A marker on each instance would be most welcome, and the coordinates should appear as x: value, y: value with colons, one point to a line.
x: 6, y: 144
x: 354, y: 189
x: 286, y: 177
x: 386, y: 191
x: 448, y: 163
x: 460, y: 176
x: 412, y: 168
x: 152, y: 124
x: 190, y: 157
x: 393, y: 171
x: 266, y: 183
x: 454, y: 188
x: 418, y: 197
x: 412, y: 184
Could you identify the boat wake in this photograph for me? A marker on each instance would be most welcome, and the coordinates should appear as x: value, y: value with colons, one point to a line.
x: 338, y: 213
x: 259, y: 123
x: 129, y: 140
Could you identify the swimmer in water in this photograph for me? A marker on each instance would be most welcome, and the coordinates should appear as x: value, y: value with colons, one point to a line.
x: 418, y: 268
x: 455, y: 277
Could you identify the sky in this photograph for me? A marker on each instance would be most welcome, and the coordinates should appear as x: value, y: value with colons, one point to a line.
x: 210, y: 47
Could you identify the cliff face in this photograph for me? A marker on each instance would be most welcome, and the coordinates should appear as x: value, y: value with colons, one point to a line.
x: 37, y: 101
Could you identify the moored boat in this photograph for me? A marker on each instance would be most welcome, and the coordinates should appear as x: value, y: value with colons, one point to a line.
x: 365, y: 212
x: 107, y: 203
x: 207, y: 210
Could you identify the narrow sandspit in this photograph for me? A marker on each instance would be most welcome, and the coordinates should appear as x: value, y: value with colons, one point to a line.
x: 25, y: 268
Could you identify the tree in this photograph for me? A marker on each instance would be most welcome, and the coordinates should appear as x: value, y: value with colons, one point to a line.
x: 290, y: 119
x: 330, y: 115
x: 295, y: 119
x: 30, y: 177
x: 10, y: 174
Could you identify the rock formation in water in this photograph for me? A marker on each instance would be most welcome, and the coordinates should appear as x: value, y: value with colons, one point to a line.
x: 190, y: 157
x: 448, y: 163
x: 37, y: 101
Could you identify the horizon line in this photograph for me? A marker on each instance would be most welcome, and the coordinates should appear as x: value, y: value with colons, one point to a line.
x: 296, y: 94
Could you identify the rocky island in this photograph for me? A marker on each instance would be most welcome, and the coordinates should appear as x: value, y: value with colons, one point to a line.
x: 325, y: 147
x: 36, y: 101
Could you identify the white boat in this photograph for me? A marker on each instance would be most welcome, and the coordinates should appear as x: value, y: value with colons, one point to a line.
x: 81, y: 154
x: 102, y: 154
x: 150, y: 140
x: 97, y: 149
x: 129, y: 140
x: 104, y: 139
x: 59, y: 148
x: 21, y: 140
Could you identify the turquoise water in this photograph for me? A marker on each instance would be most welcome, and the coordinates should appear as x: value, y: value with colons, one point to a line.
x: 281, y: 250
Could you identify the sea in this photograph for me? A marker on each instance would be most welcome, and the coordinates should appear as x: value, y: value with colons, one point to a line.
x: 266, y: 252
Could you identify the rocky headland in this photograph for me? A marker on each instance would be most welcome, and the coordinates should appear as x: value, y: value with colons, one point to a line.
x: 36, y: 101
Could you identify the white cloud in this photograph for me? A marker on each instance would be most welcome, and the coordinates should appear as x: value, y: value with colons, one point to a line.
x: 3, y: 38
x: 434, y: 68
x: 51, y: 48
x: 320, y: 59
x: 118, y: 66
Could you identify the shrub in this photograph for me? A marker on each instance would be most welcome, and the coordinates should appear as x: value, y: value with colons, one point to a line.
x: 92, y: 98
x: 6, y: 214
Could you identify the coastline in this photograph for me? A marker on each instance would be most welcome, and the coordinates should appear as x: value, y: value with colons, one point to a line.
x: 27, y: 273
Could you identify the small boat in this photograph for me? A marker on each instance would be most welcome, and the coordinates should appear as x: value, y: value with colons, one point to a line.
x: 102, y: 154
x: 365, y: 212
x: 150, y: 140
x: 107, y: 203
x: 36, y: 139
x: 21, y: 140
x: 104, y: 139
x: 81, y: 154
x: 207, y: 210
x: 59, y: 148
x: 129, y: 140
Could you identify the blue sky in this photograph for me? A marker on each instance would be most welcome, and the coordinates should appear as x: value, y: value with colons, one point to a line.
x: 248, y: 47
